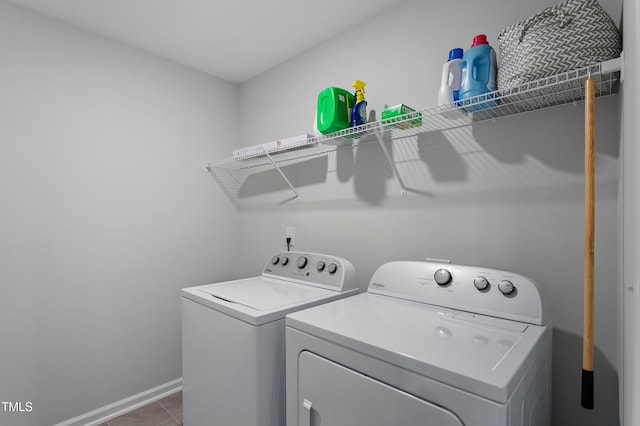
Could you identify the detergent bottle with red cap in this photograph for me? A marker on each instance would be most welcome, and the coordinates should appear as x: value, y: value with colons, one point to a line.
x: 479, y: 70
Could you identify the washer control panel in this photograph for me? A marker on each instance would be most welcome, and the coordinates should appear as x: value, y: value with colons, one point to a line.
x: 319, y: 270
x: 475, y: 289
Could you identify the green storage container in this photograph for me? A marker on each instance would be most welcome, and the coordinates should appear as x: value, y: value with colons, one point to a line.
x: 334, y: 109
x: 394, y: 113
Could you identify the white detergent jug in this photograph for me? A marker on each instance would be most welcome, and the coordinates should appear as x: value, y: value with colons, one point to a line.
x: 450, y: 84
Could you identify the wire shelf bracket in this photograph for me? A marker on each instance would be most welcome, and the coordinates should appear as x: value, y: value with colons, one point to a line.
x: 274, y: 164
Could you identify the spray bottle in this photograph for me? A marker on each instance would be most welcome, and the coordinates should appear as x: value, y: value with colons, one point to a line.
x: 359, y: 109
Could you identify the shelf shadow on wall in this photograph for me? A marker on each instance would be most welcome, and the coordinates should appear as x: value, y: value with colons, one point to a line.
x: 370, y: 168
x: 371, y: 171
x: 443, y: 162
x: 303, y: 173
x: 567, y: 379
x: 345, y: 163
x: 555, y: 139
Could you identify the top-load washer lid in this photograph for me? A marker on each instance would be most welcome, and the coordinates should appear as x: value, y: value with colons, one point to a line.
x: 263, y: 294
x: 290, y: 281
x: 260, y: 300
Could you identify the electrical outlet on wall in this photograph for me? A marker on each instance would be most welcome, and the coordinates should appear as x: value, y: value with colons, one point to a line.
x: 290, y: 231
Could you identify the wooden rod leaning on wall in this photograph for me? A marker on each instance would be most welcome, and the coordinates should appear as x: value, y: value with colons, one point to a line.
x: 589, y: 236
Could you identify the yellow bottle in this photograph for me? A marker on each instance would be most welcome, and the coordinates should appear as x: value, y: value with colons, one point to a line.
x: 359, y: 110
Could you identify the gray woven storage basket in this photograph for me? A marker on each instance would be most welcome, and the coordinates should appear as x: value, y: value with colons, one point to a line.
x: 569, y: 35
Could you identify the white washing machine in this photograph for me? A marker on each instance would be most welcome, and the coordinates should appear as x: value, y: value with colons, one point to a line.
x: 233, y: 354
x: 429, y: 344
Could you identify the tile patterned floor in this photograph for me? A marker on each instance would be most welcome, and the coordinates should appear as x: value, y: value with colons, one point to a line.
x: 164, y: 412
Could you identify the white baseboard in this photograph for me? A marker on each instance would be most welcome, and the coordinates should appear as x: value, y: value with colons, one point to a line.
x: 118, y: 408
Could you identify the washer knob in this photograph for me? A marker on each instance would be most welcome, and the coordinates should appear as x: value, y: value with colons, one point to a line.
x: 481, y: 283
x: 302, y: 262
x: 275, y: 260
x: 320, y: 266
x: 506, y: 287
x: 333, y: 268
x: 284, y: 260
x: 442, y: 277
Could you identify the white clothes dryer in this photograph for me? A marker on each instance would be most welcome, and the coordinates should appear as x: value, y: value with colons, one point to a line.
x: 233, y: 354
x: 429, y: 344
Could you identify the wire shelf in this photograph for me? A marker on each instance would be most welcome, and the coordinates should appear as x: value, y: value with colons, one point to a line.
x: 544, y: 93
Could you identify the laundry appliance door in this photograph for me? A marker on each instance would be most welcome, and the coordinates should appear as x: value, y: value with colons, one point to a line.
x: 333, y: 395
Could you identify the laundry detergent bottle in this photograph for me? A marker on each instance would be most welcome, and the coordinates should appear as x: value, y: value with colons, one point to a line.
x: 479, y: 70
x: 450, y: 82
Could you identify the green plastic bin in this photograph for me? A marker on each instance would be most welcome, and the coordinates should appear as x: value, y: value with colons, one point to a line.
x: 334, y: 109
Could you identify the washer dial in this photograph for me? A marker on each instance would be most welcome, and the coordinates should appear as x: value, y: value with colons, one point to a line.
x: 506, y: 287
x: 320, y: 266
x: 302, y: 262
x: 481, y: 283
x: 442, y: 277
x: 332, y: 268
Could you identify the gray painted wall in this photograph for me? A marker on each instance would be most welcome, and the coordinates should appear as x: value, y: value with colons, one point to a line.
x: 105, y: 214
x: 507, y: 194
